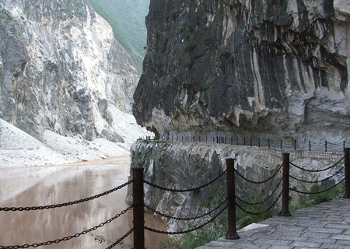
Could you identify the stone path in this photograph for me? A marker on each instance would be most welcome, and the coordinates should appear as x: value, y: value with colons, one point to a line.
x: 326, y: 225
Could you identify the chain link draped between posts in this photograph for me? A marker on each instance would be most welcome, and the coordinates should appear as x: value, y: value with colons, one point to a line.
x: 317, y: 170
x: 318, y: 181
x: 260, y: 202
x: 259, y: 182
x: 318, y: 192
x: 7, y: 209
x: 262, y: 212
x: 184, y: 218
x: 121, y: 239
x: 185, y: 190
x: 190, y: 230
x: 56, y: 241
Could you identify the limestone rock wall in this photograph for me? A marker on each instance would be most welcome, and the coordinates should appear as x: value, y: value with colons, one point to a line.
x: 274, y: 68
x: 62, y: 70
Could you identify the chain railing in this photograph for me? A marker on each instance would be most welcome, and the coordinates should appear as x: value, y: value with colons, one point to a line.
x: 65, y: 204
x: 287, y: 176
x: 229, y: 203
x: 76, y: 235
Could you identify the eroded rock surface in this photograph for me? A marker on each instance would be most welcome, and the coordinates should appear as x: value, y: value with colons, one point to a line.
x: 257, y: 67
x: 62, y: 70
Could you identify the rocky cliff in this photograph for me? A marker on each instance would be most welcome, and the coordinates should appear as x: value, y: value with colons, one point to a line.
x: 62, y: 70
x: 269, y: 68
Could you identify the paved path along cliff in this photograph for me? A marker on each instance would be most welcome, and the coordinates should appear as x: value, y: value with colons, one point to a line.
x: 326, y: 225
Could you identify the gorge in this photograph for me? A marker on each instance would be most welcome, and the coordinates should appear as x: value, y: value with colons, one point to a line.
x: 238, y: 68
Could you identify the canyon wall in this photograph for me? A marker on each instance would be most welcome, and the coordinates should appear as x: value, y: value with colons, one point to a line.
x: 62, y: 70
x: 253, y: 68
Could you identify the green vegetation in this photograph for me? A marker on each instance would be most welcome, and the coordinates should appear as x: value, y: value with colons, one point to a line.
x: 127, y: 18
x: 334, y: 193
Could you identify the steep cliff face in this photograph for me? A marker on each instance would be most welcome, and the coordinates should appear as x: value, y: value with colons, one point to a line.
x: 264, y: 67
x: 62, y: 70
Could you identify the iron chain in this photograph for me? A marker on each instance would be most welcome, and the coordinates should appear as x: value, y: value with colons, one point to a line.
x: 317, y: 170
x: 260, y: 202
x: 6, y: 209
x: 260, y: 213
x: 190, y: 230
x: 318, y: 192
x: 121, y: 239
x: 185, y: 190
x: 317, y: 181
x: 68, y: 237
x: 259, y: 182
x: 187, y: 219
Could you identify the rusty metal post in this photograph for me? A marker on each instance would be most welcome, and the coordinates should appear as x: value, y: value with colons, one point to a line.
x: 325, y: 146
x: 138, y: 212
x: 347, y: 173
x: 231, y: 200
x: 285, y: 186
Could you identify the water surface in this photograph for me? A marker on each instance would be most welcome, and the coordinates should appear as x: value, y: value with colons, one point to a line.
x: 56, y: 184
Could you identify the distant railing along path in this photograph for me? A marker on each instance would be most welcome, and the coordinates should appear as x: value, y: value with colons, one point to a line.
x: 270, y: 143
x: 298, y: 150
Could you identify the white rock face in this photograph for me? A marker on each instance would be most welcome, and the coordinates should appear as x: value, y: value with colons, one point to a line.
x: 61, y: 70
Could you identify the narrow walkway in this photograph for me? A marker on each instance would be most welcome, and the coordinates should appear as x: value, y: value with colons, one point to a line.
x: 326, y: 225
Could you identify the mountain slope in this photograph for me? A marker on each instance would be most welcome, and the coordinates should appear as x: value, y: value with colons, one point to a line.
x: 127, y: 18
x: 62, y: 72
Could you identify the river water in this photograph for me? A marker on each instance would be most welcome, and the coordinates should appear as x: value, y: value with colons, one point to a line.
x: 56, y: 184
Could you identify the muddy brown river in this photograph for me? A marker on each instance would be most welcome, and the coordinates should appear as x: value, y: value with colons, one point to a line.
x: 45, y: 185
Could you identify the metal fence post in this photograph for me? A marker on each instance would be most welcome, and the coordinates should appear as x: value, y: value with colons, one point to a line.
x: 281, y: 144
x: 325, y: 146
x: 268, y: 143
x: 231, y: 200
x: 138, y: 212
x: 259, y: 142
x: 285, y: 186
x: 295, y: 144
x: 309, y: 145
x: 347, y: 173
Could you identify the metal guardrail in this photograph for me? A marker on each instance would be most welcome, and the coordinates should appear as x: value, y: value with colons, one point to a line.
x: 282, y: 144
